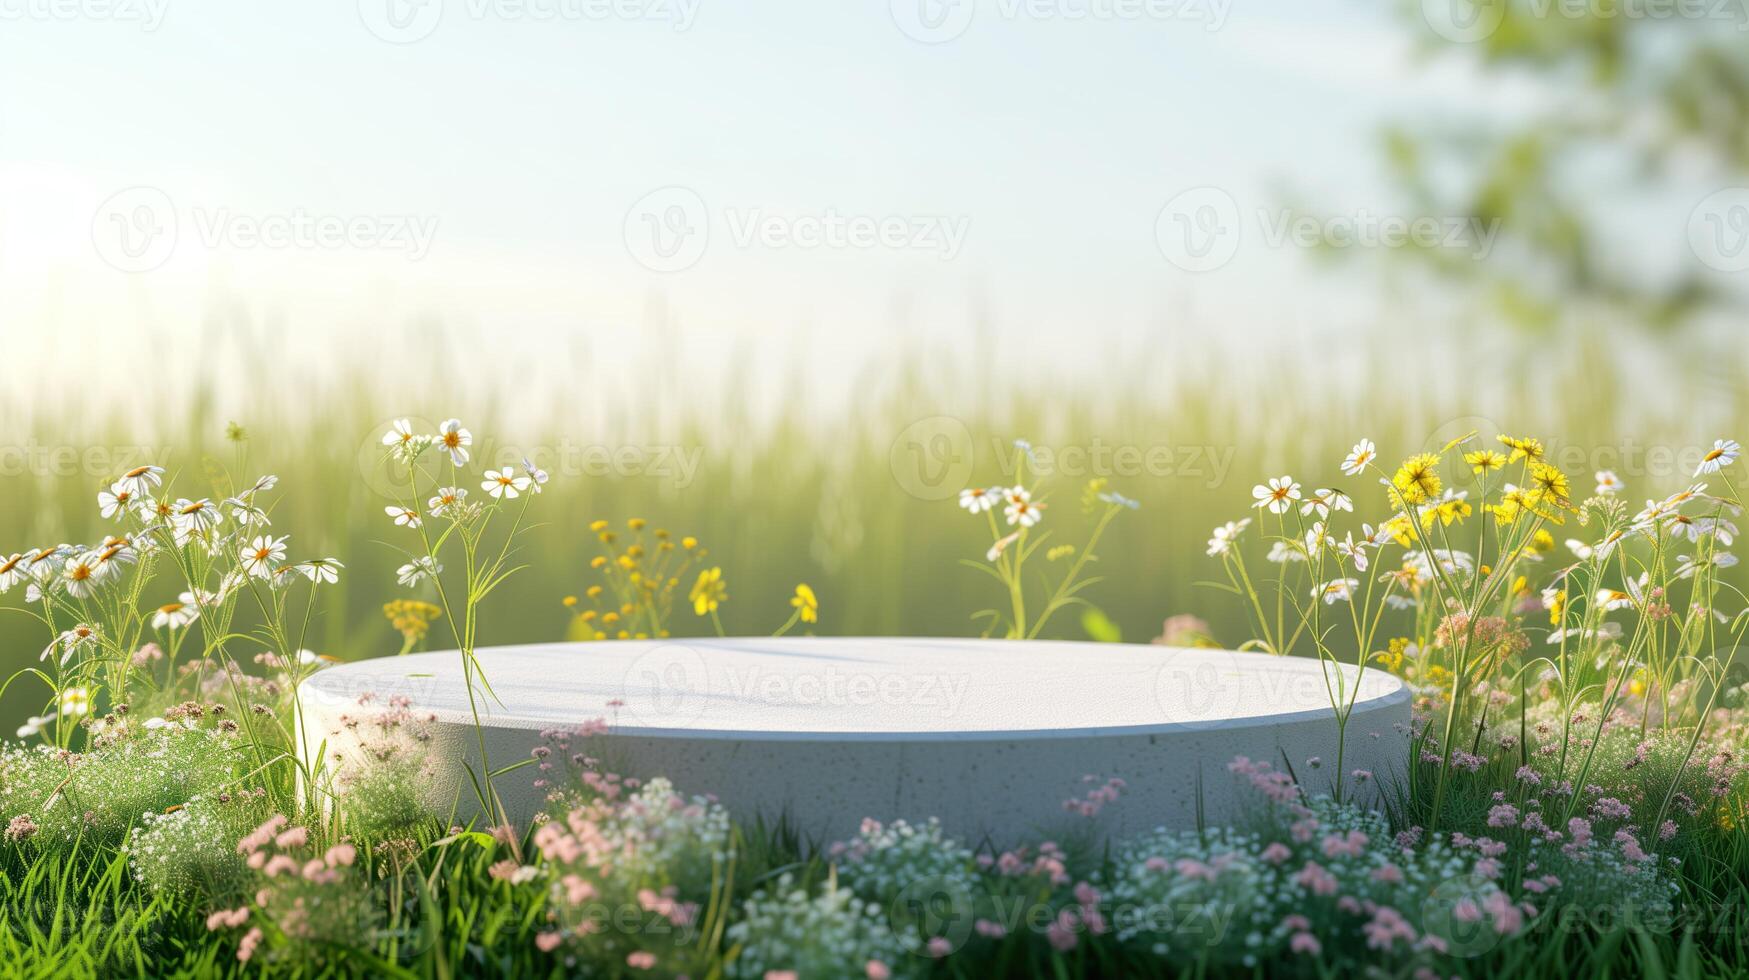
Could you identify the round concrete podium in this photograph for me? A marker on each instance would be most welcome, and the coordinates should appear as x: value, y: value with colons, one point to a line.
x: 991, y: 736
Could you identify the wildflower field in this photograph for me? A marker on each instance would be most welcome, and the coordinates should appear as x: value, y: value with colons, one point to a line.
x: 1570, y: 797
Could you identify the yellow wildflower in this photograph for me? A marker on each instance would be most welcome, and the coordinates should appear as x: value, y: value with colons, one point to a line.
x: 1417, y: 480
x: 709, y: 591
x: 598, y: 526
x: 1525, y: 448
x: 1551, y: 483
x: 1484, y: 461
x: 637, y: 523
x: 808, y: 605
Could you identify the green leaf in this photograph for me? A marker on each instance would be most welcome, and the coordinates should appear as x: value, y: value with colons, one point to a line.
x: 1098, y: 626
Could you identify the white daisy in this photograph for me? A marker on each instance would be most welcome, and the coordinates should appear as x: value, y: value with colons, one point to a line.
x: 1363, y: 453
x: 403, y: 517
x: 320, y: 570
x: 194, y: 518
x: 262, y: 555
x: 1324, y: 501
x: 1023, y: 512
x: 1609, y: 600
x: 80, y: 575
x: 444, y: 499
x: 34, y: 725
x: 70, y: 642
x: 11, y: 571
x: 140, y: 481
x: 115, y: 555
x: 1355, y: 553
x: 455, y: 440
x: 1316, y: 539
x: 1336, y: 590
x: 176, y: 615
x: 417, y: 571
x: 1396, y: 601
x: 1015, y: 495
x: 1281, y: 553
x: 1608, y: 484
x: 1277, y: 495
x: 400, y: 433
x: 1723, y: 454
x: 75, y: 701
x: 115, y: 502
x: 1580, y: 549
x: 504, y: 485
x: 537, y: 477
x: 979, y: 499
x: 1226, y: 536
x: 246, y: 513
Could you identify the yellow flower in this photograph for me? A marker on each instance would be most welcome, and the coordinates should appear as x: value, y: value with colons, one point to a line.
x: 569, y: 601
x: 708, y: 592
x: 598, y: 526
x: 587, y: 615
x: 689, y: 542
x: 1556, y: 600
x: 637, y: 523
x: 1522, y: 448
x: 1059, y: 552
x: 1551, y: 483
x: 610, y: 618
x: 805, y: 601
x: 1446, y: 512
x: 597, y: 561
x: 1399, y: 528
x: 411, y: 618
x: 1542, y: 542
x: 1392, y: 659
x: 1482, y: 461
x: 1417, y: 479
x: 593, y: 591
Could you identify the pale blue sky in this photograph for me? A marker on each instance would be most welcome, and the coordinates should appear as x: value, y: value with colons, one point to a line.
x: 526, y: 142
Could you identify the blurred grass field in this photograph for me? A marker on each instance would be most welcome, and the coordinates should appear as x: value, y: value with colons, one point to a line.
x: 855, y: 501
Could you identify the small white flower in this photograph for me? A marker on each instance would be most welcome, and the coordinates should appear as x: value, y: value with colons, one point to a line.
x: 1226, y: 536
x: 402, y: 516
x: 537, y: 477
x: 1336, y: 590
x: 455, y: 440
x: 1325, y: 501
x: 504, y: 485
x: 1355, y: 553
x: 75, y: 701
x: 1396, y: 601
x: 194, y: 518
x: 1281, y: 553
x: 400, y: 433
x: 1000, y: 546
x: 1316, y: 539
x: 115, y: 502
x: 1580, y: 549
x: 34, y: 725
x: 1363, y: 453
x: 1023, y: 512
x: 1608, y: 484
x: 262, y: 555
x: 1609, y: 600
x: 176, y: 615
x: 11, y: 571
x: 140, y: 481
x: 445, y: 498
x: 1278, y: 494
x: 321, y: 570
x: 70, y: 642
x: 980, y: 499
x: 80, y: 575
x: 417, y: 571
x: 1723, y: 454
